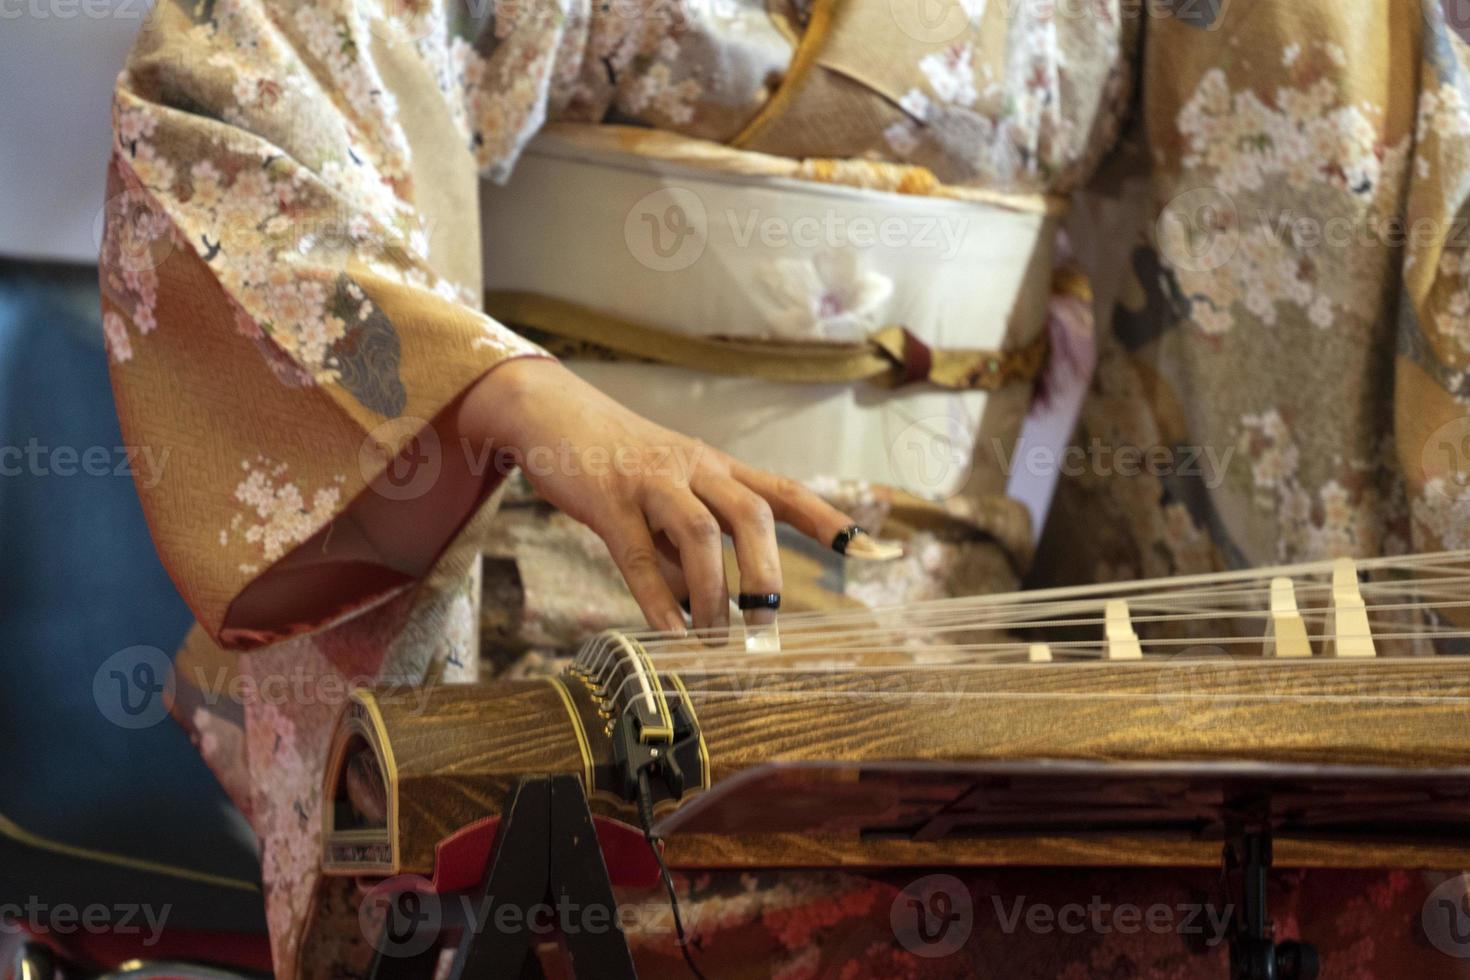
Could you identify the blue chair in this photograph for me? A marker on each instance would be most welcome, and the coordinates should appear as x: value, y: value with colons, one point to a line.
x: 91, y: 812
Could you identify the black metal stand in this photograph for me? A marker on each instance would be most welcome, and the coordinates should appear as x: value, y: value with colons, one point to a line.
x: 546, y: 877
x: 1254, y: 954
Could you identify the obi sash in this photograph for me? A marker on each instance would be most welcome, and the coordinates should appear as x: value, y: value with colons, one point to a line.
x: 822, y: 321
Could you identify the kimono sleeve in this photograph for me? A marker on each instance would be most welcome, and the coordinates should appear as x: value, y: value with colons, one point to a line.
x: 290, y: 274
x: 1432, y: 367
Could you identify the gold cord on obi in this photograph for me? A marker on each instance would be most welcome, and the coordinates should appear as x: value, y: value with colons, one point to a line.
x: 891, y: 356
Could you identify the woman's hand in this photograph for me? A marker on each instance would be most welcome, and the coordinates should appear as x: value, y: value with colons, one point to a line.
x: 661, y: 501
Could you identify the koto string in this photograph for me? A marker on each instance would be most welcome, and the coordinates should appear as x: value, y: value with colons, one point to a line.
x: 999, y: 610
x: 980, y: 611
x: 923, y: 635
x: 656, y: 643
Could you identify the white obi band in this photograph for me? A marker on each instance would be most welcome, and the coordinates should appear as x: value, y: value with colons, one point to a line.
x: 708, y: 252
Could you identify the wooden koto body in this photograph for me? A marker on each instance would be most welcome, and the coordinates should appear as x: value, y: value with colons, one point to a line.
x: 1134, y: 724
x: 453, y: 758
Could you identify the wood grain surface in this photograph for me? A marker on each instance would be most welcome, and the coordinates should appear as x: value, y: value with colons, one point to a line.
x: 458, y: 750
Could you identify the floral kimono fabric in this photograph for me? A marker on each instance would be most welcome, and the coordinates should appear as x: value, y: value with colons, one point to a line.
x: 292, y: 287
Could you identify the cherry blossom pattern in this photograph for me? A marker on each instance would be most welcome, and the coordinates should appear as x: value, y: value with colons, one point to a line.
x: 1443, y: 509
x: 1345, y: 514
x: 1242, y: 149
x: 137, y: 237
x: 276, y: 513
x: 829, y: 296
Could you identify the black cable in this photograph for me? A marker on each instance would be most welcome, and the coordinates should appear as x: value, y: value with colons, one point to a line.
x: 645, y: 813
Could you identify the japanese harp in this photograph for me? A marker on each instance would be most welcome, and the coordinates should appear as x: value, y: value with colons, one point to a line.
x: 1126, y: 724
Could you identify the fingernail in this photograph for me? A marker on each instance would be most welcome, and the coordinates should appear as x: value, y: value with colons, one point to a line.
x: 759, y: 617
x: 717, y: 633
x: 674, y: 624
x: 860, y: 544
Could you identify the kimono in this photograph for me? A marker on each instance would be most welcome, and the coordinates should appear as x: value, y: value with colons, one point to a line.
x: 1263, y: 195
